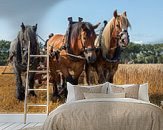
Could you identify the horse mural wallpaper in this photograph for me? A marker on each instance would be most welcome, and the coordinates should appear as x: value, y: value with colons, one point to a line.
x: 81, y: 50
x: 18, y: 56
x: 111, y: 41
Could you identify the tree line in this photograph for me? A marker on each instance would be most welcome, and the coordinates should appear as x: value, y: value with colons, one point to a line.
x: 134, y: 53
x: 4, y: 48
x: 142, y: 53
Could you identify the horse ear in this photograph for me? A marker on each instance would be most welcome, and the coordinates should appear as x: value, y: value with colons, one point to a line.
x: 23, y: 26
x: 35, y: 28
x: 83, y: 26
x: 124, y: 13
x: 115, y: 13
x: 95, y: 26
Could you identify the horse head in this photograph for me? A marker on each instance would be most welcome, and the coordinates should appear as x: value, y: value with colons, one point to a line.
x: 26, y: 35
x: 115, y: 35
x: 82, y: 40
x: 120, y: 28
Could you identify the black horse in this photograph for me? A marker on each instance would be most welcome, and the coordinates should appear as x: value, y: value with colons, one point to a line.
x: 18, y: 55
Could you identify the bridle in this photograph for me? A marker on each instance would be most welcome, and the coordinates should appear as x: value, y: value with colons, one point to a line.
x: 86, y: 49
x: 55, y: 53
x: 118, y: 36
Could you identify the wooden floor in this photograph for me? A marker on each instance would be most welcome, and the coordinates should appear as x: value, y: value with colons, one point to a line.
x: 18, y: 126
x: 16, y: 121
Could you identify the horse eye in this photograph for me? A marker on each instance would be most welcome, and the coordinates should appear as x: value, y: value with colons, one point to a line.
x: 84, y: 38
x: 118, y: 25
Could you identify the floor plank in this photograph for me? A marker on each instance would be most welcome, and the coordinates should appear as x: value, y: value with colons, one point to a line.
x: 13, y: 126
x: 18, y: 126
x: 22, y: 125
x: 6, y: 125
x: 1, y: 124
x: 32, y: 124
x: 20, y: 118
x: 39, y: 124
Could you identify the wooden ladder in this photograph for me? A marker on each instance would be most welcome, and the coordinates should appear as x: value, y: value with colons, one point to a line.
x: 26, y: 104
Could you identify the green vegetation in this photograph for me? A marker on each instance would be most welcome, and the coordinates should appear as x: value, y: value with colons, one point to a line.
x: 4, y: 47
x: 143, y: 53
x: 134, y: 53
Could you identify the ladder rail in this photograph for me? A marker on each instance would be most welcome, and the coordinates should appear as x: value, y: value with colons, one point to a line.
x: 27, y: 89
x: 47, y: 109
x: 26, y: 86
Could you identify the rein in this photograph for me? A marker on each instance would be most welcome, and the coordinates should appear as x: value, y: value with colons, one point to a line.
x: 40, y: 37
x: 57, y: 52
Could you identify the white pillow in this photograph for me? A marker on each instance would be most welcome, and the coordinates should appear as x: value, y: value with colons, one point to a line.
x: 103, y: 95
x: 76, y: 92
x: 143, y: 92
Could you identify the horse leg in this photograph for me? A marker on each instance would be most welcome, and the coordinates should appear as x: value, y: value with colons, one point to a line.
x: 70, y: 79
x: 20, y: 90
x: 100, y: 71
x: 114, y: 67
x: 77, y: 72
x: 31, y: 84
x: 87, y: 72
x: 55, y: 94
x: 63, y: 89
x: 55, y: 81
x: 64, y: 85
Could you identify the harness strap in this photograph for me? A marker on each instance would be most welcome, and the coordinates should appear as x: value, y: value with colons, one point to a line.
x: 56, y: 53
x: 89, y: 49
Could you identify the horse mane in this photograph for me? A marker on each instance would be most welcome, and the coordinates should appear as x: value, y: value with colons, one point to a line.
x: 107, y: 33
x: 75, y: 30
x: 30, y: 35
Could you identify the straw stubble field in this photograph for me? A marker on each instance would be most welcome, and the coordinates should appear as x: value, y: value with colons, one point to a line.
x: 126, y: 74
x: 8, y: 101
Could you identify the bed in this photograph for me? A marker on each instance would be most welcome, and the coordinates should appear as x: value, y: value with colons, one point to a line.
x: 98, y: 108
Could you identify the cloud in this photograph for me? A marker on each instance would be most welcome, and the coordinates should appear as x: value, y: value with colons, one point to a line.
x: 28, y: 10
x: 14, y: 12
x: 138, y: 42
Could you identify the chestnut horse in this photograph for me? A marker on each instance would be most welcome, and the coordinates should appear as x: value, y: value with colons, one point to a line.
x: 113, y: 38
x: 71, y: 63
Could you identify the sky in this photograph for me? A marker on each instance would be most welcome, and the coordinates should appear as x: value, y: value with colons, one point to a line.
x: 145, y: 16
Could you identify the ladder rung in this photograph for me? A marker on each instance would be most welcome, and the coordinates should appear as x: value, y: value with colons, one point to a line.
x: 37, y: 89
x: 38, y: 55
x: 38, y: 71
x: 36, y: 105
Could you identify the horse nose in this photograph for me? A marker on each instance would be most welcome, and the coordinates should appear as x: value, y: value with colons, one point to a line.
x: 123, y: 40
x: 91, y: 59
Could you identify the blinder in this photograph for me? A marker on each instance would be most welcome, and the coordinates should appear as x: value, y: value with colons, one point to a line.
x: 89, y: 49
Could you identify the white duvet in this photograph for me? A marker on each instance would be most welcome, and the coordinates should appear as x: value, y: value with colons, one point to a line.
x: 105, y: 114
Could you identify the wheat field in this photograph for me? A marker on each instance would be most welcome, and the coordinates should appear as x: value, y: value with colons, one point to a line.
x: 143, y: 73
x: 126, y: 74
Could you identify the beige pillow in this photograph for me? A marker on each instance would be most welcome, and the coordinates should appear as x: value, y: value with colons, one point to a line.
x: 76, y: 92
x: 103, y: 95
x: 79, y: 91
x: 131, y: 91
x: 143, y: 92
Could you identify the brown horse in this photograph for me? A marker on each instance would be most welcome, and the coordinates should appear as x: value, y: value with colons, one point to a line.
x: 113, y: 38
x: 71, y: 63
